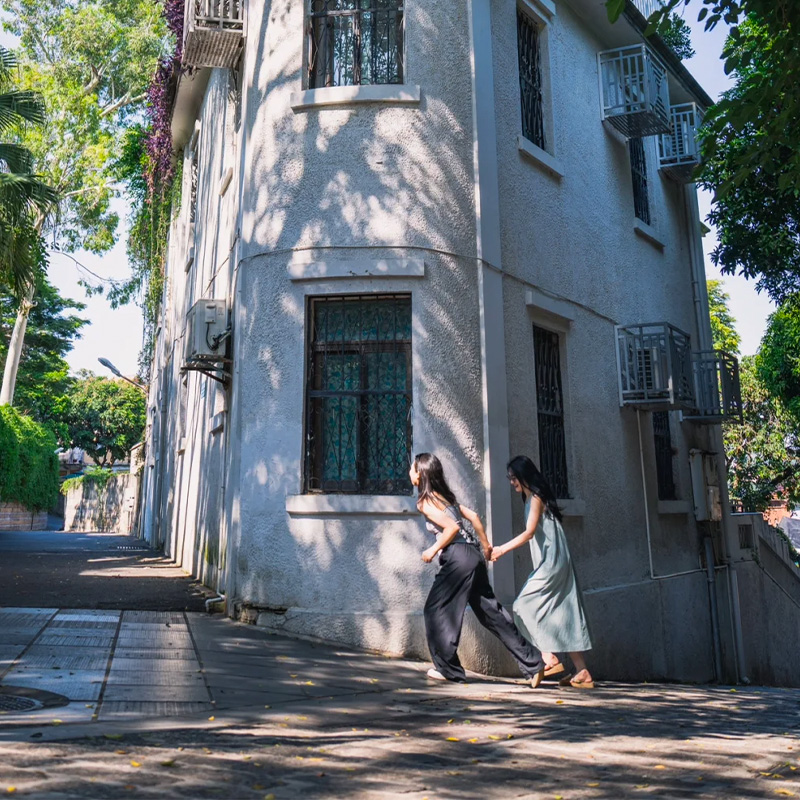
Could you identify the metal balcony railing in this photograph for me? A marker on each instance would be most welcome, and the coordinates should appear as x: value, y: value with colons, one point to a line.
x: 679, y: 150
x: 634, y: 91
x: 214, y: 33
x: 654, y: 367
x: 718, y: 394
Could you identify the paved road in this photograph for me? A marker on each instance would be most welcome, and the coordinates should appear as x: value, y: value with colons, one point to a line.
x: 97, y: 570
x: 279, y: 719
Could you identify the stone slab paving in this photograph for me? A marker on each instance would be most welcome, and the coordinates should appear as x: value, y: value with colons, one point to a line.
x: 284, y: 719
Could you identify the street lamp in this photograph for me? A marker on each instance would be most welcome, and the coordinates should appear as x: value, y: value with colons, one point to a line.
x: 108, y: 365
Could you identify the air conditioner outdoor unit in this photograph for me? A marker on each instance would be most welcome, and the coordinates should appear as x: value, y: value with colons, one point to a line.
x: 206, y: 329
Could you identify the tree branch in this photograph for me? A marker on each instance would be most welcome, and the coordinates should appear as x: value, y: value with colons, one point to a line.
x: 126, y: 100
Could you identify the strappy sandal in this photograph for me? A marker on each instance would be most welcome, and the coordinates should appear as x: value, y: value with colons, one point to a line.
x: 575, y: 684
x: 555, y: 669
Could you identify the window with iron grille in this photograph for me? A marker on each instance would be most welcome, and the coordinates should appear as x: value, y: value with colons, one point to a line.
x: 641, y: 203
x: 355, y: 42
x: 358, y: 399
x: 663, y: 446
x: 550, y: 410
x: 529, y: 52
x: 193, y: 174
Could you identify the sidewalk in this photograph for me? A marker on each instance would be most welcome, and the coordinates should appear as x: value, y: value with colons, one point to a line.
x: 174, y: 705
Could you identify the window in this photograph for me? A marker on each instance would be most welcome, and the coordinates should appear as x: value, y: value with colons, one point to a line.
x: 355, y: 42
x: 663, y: 446
x: 358, y: 402
x: 641, y: 204
x: 550, y: 408
x: 529, y: 52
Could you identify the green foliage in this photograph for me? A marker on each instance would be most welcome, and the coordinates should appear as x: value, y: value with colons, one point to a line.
x: 678, y: 36
x: 105, y: 417
x: 723, y: 325
x: 779, y: 356
x: 30, y: 465
x: 151, y: 214
x: 91, y: 60
x: 99, y: 476
x: 43, y: 380
x: 763, y: 454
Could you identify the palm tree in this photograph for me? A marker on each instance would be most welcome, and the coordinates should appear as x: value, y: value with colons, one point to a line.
x: 24, y: 198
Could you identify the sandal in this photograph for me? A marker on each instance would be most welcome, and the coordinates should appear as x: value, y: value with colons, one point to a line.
x: 575, y: 684
x: 555, y: 669
x: 537, y: 679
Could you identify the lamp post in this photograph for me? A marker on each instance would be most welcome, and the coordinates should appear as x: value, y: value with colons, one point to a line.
x: 108, y: 365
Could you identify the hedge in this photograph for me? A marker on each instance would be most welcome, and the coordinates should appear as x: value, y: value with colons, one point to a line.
x: 28, y: 461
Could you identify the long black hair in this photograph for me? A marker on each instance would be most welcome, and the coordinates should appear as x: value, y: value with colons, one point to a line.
x: 528, y: 474
x: 432, y: 480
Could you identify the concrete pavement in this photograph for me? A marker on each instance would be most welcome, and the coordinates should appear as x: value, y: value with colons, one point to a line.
x: 185, y: 705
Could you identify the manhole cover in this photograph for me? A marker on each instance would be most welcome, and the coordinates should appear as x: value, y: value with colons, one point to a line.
x: 10, y: 702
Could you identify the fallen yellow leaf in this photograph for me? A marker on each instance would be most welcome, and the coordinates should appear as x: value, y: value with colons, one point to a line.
x: 659, y: 766
x: 135, y: 764
x: 559, y: 702
x: 593, y: 784
x: 492, y: 736
x: 784, y: 792
x: 452, y: 739
x: 211, y: 719
x: 472, y: 741
x: 56, y: 722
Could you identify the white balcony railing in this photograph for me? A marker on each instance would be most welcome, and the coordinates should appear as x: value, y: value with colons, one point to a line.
x: 679, y: 150
x: 213, y: 33
x: 634, y: 91
x: 718, y: 393
x: 654, y: 364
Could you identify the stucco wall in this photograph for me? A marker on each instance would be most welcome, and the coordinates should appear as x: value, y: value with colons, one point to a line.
x: 110, y: 508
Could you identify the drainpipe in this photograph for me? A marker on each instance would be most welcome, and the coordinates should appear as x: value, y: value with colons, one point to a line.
x: 702, y: 321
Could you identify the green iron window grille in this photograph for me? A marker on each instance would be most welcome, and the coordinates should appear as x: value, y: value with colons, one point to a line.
x: 662, y: 439
x: 550, y: 410
x: 641, y: 202
x: 358, y: 424
x: 530, y: 79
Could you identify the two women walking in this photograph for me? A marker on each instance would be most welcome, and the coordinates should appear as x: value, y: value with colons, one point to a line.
x: 548, y: 610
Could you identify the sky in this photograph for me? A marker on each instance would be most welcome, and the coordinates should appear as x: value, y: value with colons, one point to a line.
x: 116, y: 334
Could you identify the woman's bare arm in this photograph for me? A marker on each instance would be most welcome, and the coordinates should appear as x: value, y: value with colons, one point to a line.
x: 536, y: 509
x: 479, y: 529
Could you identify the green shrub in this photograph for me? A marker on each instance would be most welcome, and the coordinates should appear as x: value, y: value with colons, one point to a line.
x: 96, y: 475
x: 28, y: 461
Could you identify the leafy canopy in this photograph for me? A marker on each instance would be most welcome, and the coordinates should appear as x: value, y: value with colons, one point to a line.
x: 779, y: 356
x: 105, y: 417
x: 723, y: 325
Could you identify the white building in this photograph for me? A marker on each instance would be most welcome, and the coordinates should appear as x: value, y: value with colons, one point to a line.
x: 465, y: 228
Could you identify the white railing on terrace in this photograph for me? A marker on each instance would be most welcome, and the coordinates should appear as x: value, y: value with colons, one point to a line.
x: 718, y: 394
x: 648, y: 7
x: 654, y: 367
x: 754, y: 532
x: 679, y: 150
x: 213, y: 32
x: 634, y: 91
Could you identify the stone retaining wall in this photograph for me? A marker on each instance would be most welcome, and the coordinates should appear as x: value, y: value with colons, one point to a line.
x: 110, y: 508
x: 15, y: 517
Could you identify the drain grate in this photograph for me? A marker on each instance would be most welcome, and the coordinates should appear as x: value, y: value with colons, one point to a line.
x: 130, y: 547
x: 10, y: 702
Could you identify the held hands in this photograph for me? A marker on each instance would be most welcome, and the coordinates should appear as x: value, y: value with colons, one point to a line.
x: 496, y: 552
x: 429, y: 554
x: 487, y: 552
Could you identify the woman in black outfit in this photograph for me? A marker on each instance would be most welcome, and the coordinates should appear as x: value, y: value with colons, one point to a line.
x: 462, y: 551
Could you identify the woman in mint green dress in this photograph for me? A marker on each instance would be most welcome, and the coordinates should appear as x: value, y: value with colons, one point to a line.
x: 548, y: 610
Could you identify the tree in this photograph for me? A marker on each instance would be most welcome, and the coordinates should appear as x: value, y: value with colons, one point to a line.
x: 723, y: 325
x: 749, y: 142
x: 105, y: 417
x: 763, y: 454
x: 678, y: 36
x: 92, y: 61
x: 779, y: 356
x: 43, y: 381
x: 22, y: 193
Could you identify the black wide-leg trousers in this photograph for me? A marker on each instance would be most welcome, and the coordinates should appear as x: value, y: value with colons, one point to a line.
x: 461, y: 579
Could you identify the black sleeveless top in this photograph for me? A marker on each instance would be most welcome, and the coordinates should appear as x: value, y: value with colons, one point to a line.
x: 465, y: 534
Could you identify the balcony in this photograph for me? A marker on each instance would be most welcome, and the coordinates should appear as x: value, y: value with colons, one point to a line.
x: 214, y: 33
x: 635, y: 94
x: 648, y: 7
x: 654, y: 366
x: 718, y: 394
x: 679, y: 150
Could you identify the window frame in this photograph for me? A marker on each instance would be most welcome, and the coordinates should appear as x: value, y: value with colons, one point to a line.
x: 313, y: 482
x: 310, y: 77
x: 640, y: 181
x: 553, y: 331
x: 664, y: 454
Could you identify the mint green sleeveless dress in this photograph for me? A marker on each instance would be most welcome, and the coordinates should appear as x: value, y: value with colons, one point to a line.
x: 548, y: 610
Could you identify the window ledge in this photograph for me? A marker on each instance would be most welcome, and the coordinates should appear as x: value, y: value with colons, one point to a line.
x: 217, y: 423
x: 540, y: 157
x: 339, y: 504
x: 648, y: 233
x: 360, y: 268
x: 572, y: 507
x: 673, y: 507
x: 348, y: 95
x: 181, y: 446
